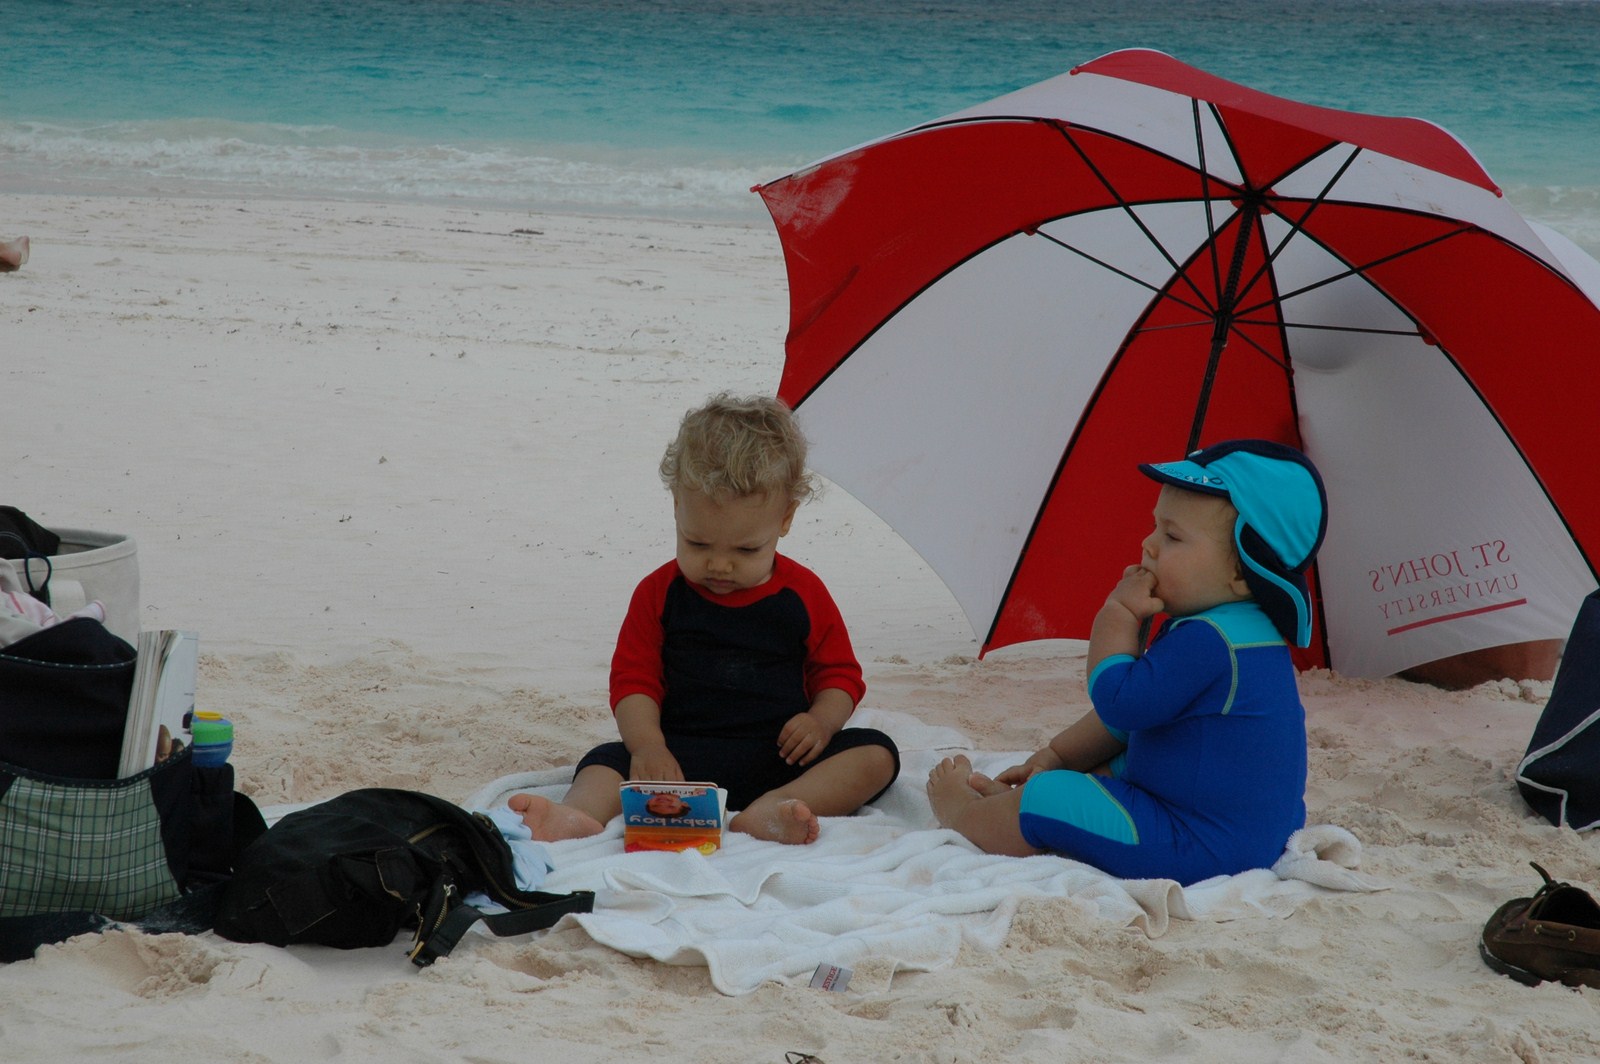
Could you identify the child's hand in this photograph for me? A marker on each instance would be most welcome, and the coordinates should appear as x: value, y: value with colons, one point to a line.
x: 655, y: 763
x: 1044, y: 760
x: 802, y: 739
x: 1135, y: 592
x: 1017, y: 775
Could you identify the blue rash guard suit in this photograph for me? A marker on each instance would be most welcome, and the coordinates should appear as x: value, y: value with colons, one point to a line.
x: 1213, y: 778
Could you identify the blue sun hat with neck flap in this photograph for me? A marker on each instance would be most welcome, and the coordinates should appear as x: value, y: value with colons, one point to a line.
x: 1283, y: 515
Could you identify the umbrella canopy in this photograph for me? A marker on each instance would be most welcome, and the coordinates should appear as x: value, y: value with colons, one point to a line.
x: 995, y: 316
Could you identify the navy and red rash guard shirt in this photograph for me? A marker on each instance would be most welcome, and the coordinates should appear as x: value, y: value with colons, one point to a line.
x: 737, y: 665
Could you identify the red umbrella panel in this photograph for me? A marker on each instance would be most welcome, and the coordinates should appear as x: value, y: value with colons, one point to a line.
x: 997, y: 315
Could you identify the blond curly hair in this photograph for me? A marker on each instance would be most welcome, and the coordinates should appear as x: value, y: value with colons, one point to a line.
x: 733, y: 447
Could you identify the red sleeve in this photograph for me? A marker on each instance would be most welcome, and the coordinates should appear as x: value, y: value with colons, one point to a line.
x: 636, y: 663
x: 830, y: 659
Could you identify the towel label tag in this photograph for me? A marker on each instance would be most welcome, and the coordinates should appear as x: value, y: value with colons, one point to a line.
x: 830, y: 977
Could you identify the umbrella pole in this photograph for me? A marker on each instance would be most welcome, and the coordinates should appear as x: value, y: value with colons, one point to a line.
x: 1222, y: 323
x: 1221, y: 327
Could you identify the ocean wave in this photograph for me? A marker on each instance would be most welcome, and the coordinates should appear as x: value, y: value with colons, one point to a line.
x: 207, y: 157
x: 1571, y: 210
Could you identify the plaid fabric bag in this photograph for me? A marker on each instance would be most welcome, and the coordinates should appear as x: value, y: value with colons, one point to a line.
x: 81, y: 855
x: 90, y: 845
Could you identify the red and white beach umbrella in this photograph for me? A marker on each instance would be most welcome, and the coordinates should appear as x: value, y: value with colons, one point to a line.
x: 995, y: 316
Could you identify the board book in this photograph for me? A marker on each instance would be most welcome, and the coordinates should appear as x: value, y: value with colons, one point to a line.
x: 660, y: 815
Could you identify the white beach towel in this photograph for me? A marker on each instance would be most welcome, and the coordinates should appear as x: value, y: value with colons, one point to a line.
x: 887, y: 884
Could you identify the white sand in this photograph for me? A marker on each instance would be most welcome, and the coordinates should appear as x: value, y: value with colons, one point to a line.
x: 396, y: 465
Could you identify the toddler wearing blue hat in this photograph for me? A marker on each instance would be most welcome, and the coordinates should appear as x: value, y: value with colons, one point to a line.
x: 1192, y: 763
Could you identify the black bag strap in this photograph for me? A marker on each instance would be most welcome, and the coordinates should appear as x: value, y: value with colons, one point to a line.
x: 26, y: 553
x: 442, y: 923
x: 189, y: 914
x: 444, y: 919
x: 438, y: 942
x: 21, y: 936
x: 31, y: 540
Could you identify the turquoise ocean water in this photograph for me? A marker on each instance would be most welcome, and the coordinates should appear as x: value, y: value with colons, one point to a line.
x: 676, y: 107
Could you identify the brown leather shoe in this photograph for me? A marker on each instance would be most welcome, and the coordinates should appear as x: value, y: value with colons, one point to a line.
x: 1553, y: 935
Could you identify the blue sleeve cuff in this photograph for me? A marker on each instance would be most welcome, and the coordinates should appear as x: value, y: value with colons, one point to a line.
x: 1114, y: 659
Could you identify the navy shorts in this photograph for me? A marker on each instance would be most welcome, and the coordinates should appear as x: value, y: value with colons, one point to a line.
x: 746, y: 768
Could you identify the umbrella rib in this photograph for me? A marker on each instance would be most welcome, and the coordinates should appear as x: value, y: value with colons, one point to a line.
x: 1298, y: 227
x: 1211, y: 219
x: 1268, y: 355
x: 1365, y: 330
x: 1127, y: 208
x: 1141, y: 282
x: 1280, y: 323
x: 1276, y: 323
x: 1200, y: 323
x: 1354, y: 271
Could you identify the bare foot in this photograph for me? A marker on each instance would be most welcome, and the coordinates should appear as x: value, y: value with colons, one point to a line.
x: 985, y: 785
x: 551, y: 821
x: 948, y: 790
x: 788, y: 820
x: 13, y: 253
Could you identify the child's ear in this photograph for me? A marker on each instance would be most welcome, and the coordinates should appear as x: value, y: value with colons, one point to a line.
x: 788, y: 519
